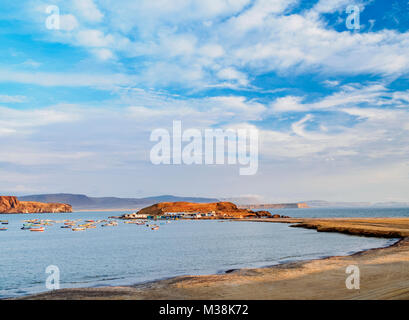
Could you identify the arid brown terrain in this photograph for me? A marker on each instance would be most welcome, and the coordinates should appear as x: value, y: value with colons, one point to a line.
x: 219, y: 208
x: 9, y: 204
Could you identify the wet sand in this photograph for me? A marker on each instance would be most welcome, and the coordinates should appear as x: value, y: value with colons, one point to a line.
x: 384, y: 272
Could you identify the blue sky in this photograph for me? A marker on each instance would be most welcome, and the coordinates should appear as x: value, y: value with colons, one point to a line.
x: 77, y: 104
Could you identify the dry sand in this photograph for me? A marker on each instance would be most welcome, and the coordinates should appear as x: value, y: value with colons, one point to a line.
x: 384, y: 272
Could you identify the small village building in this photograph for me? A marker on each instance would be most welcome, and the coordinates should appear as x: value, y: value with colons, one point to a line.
x: 135, y: 216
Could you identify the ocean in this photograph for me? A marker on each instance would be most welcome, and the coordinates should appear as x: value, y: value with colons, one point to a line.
x: 129, y: 254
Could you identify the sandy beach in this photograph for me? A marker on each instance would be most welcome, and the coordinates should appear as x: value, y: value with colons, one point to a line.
x: 384, y: 272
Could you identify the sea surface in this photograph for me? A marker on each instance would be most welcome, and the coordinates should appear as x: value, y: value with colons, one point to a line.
x: 129, y: 254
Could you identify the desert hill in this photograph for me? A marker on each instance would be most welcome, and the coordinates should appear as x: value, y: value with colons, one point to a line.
x: 219, y: 208
x: 10, y: 204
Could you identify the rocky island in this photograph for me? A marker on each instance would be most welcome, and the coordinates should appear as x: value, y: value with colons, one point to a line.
x: 10, y: 204
x: 214, y: 210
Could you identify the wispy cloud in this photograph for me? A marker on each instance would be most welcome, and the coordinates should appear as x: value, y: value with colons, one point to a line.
x: 331, y: 105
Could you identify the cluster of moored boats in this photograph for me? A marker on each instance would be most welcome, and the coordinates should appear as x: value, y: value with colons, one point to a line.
x: 37, y: 225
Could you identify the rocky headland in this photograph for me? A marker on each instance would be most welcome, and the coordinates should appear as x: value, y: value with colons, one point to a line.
x: 10, y: 204
x: 219, y: 209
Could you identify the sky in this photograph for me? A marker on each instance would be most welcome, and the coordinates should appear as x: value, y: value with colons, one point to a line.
x: 331, y: 104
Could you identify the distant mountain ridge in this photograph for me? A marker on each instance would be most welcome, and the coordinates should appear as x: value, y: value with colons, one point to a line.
x: 83, y: 202
x: 341, y: 204
x: 298, y: 205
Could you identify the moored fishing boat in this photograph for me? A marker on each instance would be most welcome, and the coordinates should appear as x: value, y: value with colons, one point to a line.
x: 78, y: 229
x: 41, y: 229
x: 3, y: 229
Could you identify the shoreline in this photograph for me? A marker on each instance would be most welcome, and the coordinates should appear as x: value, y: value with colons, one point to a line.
x: 321, y: 278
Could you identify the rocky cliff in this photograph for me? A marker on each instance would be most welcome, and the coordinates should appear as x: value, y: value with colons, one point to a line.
x: 219, y: 208
x: 13, y: 205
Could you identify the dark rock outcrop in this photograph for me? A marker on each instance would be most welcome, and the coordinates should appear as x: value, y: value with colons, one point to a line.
x: 278, y: 216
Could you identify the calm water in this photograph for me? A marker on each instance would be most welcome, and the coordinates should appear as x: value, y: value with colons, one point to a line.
x: 129, y: 254
x: 366, y: 212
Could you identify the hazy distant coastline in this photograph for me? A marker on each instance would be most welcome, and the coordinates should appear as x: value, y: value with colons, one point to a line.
x: 81, y: 202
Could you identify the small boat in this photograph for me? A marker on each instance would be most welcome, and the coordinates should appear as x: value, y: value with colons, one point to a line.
x: 78, y: 229
x: 37, y: 229
x: 109, y: 225
x: 66, y: 227
x: 3, y: 229
x: 155, y: 228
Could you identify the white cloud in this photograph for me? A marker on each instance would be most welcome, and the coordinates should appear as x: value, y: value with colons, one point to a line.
x: 288, y: 104
x: 49, y: 79
x: 12, y: 99
x: 331, y: 83
x: 257, y: 14
x: 204, y: 37
x: 31, y: 63
x: 329, y: 6
x: 348, y: 95
x: 25, y: 157
x: 233, y: 74
x: 12, y: 119
x: 88, y: 10
x: 183, y: 44
x: 219, y: 44
x: 196, y: 112
x: 375, y: 114
x: 68, y: 22
x: 104, y: 54
x: 212, y: 50
x: 94, y: 38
